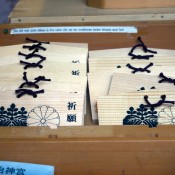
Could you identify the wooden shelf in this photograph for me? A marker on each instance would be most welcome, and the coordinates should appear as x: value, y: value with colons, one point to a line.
x: 90, y: 149
x: 64, y: 11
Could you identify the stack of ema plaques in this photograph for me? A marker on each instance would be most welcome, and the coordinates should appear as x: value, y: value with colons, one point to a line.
x: 43, y: 84
x: 132, y: 86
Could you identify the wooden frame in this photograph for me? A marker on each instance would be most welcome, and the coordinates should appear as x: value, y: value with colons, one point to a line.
x: 95, y: 149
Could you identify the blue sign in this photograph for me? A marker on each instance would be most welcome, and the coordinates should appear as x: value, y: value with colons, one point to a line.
x: 16, y: 168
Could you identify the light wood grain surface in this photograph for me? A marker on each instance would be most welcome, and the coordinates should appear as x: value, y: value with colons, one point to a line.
x: 123, y: 52
x: 99, y: 84
x: 113, y: 109
x: 134, y: 83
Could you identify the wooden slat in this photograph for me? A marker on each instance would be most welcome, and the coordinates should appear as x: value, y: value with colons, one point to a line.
x: 125, y: 4
x: 54, y: 53
x: 117, y: 132
x: 115, y: 66
x: 134, y: 83
x: 50, y: 67
x: 98, y: 89
x: 113, y: 109
x: 88, y: 155
x: 46, y: 11
x: 105, y: 64
x: 123, y: 52
x: 155, y: 34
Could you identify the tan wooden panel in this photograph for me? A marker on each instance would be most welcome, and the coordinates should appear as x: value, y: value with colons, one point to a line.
x: 113, y: 63
x: 113, y: 109
x: 46, y: 11
x: 154, y: 70
x: 123, y: 52
x: 83, y: 156
x: 134, y: 83
x: 117, y: 132
x: 99, y: 85
x: 53, y: 52
x: 48, y: 106
x: 125, y: 4
x: 104, y: 84
x: 52, y: 68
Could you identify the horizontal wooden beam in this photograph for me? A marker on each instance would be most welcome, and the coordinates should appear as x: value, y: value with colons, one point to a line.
x: 154, y: 34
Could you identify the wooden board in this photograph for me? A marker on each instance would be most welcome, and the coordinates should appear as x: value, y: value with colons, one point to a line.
x: 46, y: 11
x: 117, y: 109
x: 98, y: 156
x: 113, y: 63
x: 98, y: 89
x: 127, y: 4
x: 123, y: 52
x: 155, y: 34
x: 137, y: 83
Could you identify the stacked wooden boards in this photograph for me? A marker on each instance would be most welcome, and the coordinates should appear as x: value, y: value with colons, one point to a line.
x: 130, y: 87
x: 43, y: 84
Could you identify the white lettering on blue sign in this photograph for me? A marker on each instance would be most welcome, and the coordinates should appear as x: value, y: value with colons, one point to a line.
x: 16, y: 168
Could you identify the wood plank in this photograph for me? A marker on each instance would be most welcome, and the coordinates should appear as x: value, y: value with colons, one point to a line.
x: 53, y: 52
x: 112, y: 110
x: 134, y: 83
x: 45, y: 11
x: 117, y: 132
x: 105, y: 87
x: 155, y: 34
x: 98, y: 89
x: 100, y: 66
x: 126, y: 4
x: 46, y: 110
x: 132, y: 157
x: 94, y: 158
x: 112, y: 63
x: 123, y: 52
x: 50, y: 67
